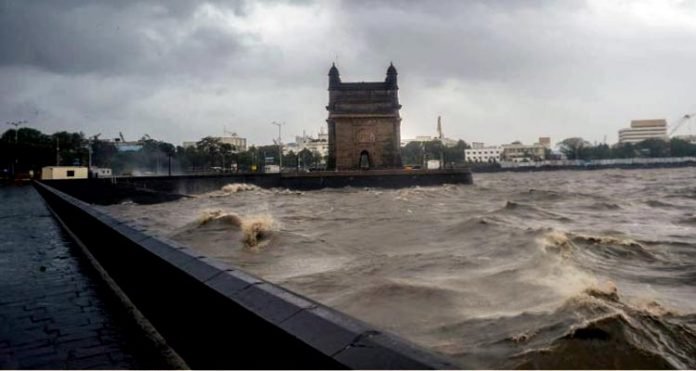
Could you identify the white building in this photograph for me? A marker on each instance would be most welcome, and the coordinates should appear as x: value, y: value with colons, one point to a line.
x: 319, y: 144
x: 238, y: 143
x: 518, y: 152
x: 100, y: 172
x: 480, y: 153
x: 447, y: 142
x: 641, y: 130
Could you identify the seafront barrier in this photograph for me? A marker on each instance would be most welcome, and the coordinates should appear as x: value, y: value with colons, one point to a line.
x: 216, y: 316
x: 618, y: 163
x: 153, y: 189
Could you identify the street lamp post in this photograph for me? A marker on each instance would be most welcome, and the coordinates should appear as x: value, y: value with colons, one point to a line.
x: 280, y: 145
x: 16, y: 125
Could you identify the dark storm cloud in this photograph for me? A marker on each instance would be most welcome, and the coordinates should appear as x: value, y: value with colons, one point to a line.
x: 109, y: 37
x: 470, y: 40
x: 495, y: 70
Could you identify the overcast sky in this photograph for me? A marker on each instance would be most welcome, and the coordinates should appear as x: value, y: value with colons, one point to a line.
x: 496, y: 71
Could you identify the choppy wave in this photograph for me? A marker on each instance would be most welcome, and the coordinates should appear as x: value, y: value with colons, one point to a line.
x: 525, y: 210
x: 607, y: 246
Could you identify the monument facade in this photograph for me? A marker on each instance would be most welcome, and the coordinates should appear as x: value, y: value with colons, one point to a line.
x: 364, y: 123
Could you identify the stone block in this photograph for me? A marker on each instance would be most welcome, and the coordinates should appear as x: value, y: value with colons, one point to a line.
x: 324, y: 329
x: 271, y: 302
x: 166, y: 251
x: 231, y: 282
x: 377, y: 350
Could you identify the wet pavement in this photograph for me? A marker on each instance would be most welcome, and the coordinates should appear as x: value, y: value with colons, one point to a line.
x: 55, y: 311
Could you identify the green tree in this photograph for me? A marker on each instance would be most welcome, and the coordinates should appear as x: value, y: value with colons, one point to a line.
x: 412, y: 153
x: 682, y: 148
x: 455, y: 154
x: 599, y: 152
x: 103, y: 153
x: 306, y: 158
x: 623, y: 150
x: 574, y: 148
x: 654, y: 148
x: 270, y: 152
x: 25, y: 149
x: 290, y: 160
x: 72, y: 148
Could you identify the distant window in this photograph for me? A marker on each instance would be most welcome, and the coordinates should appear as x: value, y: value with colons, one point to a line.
x: 70, y: 173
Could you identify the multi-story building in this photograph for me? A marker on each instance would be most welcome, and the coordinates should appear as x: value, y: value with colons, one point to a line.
x: 319, y: 144
x: 237, y: 142
x: 480, y: 153
x: 641, y: 130
x: 545, y: 141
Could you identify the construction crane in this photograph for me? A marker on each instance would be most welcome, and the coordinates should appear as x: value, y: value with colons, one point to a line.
x: 680, y: 123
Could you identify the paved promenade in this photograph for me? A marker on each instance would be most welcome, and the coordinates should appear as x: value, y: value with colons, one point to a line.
x: 55, y: 312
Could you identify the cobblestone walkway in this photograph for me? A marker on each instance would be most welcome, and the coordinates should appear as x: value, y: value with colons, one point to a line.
x: 54, y: 309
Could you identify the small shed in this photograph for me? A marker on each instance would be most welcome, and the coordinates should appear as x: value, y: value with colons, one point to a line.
x: 64, y: 172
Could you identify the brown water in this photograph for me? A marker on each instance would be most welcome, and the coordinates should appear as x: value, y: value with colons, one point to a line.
x: 590, y: 269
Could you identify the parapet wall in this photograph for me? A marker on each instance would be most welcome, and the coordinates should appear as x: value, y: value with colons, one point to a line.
x: 153, y: 189
x: 219, y: 317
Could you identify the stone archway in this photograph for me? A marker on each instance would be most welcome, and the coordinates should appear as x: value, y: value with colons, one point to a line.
x: 364, y: 162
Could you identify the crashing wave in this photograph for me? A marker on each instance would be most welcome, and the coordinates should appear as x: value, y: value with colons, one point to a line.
x: 218, y: 215
x: 611, y: 333
x: 255, y: 228
x: 238, y: 187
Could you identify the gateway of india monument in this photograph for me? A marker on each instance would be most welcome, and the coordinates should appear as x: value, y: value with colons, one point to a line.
x: 364, y: 123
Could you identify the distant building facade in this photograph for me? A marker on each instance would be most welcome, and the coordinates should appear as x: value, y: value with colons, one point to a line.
x: 238, y: 143
x: 447, y: 142
x: 419, y: 139
x: 364, y: 123
x: 518, y: 152
x: 641, y: 130
x: 319, y: 145
x: 482, y: 153
x: 64, y: 172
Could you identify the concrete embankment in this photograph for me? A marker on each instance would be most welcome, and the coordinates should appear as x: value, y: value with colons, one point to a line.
x: 626, y: 164
x: 217, y: 316
x: 155, y: 189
